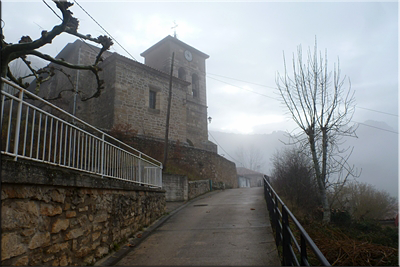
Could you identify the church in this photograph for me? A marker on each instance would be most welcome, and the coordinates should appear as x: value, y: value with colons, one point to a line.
x: 136, y: 94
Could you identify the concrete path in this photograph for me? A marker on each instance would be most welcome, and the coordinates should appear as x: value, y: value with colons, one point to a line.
x: 228, y: 228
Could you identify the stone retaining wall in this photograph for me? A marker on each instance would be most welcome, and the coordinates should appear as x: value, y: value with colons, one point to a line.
x: 197, y: 188
x: 53, y: 216
x: 176, y: 187
x: 195, y: 163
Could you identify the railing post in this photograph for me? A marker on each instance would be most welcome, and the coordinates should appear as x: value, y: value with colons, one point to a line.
x: 102, y: 155
x: 278, y: 228
x: 18, y: 126
x: 284, y: 235
x: 271, y: 208
x: 303, y: 252
x: 159, y: 171
x: 270, y: 205
x: 286, y: 244
x: 140, y: 167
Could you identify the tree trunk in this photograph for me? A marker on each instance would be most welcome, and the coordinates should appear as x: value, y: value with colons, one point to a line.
x: 325, y: 205
x: 320, y: 178
x: 324, y: 198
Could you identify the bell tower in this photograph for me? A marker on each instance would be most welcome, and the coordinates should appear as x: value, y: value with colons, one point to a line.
x: 189, y: 65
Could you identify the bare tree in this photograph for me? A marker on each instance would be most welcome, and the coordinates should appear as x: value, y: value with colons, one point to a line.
x: 322, y: 107
x: 251, y: 158
x: 364, y: 201
x: 19, y: 70
x: 27, y: 46
x: 292, y: 176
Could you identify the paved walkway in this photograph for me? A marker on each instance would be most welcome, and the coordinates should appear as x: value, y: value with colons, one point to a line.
x: 171, y: 206
x: 228, y: 228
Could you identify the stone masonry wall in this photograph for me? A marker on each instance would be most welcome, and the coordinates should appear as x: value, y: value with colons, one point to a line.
x: 132, y: 86
x: 196, y: 164
x: 176, y: 187
x: 205, y: 165
x: 197, y: 188
x: 197, y: 124
x: 58, y: 217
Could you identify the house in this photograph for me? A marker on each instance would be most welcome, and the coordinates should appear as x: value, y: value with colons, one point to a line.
x: 249, y: 178
x: 136, y: 94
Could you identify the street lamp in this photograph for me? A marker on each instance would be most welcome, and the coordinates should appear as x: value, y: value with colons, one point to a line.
x: 209, y: 119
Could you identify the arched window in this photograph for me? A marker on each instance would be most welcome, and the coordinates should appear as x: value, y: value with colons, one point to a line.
x: 182, y: 73
x: 195, y: 85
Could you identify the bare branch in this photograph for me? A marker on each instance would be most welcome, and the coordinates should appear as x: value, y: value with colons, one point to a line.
x: 323, y: 110
x: 27, y: 46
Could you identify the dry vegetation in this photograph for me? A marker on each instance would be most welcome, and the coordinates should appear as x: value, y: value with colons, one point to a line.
x: 357, y: 249
x: 354, y: 236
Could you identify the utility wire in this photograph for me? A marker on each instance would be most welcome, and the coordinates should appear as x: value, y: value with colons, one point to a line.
x: 378, y: 111
x: 245, y: 89
x: 382, y: 112
x: 240, y: 80
x: 61, y: 20
x: 224, y: 149
x: 376, y: 127
x: 279, y: 100
x: 52, y: 10
x: 105, y: 30
x: 223, y: 77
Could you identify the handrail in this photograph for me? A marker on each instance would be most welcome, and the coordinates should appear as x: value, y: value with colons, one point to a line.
x: 284, y: 235
x: 37, y: 132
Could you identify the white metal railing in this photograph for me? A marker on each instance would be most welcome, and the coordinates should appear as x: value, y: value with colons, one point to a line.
x: 35, y: 129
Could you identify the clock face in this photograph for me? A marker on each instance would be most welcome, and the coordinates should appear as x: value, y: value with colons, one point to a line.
x: 188, y: 55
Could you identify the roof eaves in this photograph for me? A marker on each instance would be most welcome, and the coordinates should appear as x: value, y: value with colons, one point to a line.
x: 148, y: 68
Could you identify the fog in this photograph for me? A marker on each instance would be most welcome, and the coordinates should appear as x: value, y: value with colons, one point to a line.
x: 375, y: 152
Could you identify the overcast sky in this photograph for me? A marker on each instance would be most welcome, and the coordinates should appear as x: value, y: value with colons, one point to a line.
x: 245, y: 42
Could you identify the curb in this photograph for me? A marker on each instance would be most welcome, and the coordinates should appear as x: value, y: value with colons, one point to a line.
x: 112, y: 259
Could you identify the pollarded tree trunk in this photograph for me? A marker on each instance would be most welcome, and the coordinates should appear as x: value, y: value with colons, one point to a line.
x: 320, y: 176
x: 323, y: 111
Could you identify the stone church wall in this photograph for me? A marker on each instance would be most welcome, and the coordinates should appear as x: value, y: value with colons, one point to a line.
x: 131, y: 106
x: 196, y: 123
x: 125, y: 96
x: 59, y: 217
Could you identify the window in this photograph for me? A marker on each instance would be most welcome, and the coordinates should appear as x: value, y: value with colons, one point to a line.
x: 182, y: 73
x: 152, y: 99
x: 195, y: 85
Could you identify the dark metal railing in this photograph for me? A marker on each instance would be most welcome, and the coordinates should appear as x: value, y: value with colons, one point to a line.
x: 284, y: 237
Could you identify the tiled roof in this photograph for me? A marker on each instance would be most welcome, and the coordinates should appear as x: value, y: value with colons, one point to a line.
x: 245, y: 171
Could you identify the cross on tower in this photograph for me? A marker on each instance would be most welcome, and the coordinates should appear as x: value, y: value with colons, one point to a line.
x: 174, y: 27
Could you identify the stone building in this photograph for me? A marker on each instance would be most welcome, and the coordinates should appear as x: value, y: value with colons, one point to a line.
x: 249, y: 178
x: 136, y: 94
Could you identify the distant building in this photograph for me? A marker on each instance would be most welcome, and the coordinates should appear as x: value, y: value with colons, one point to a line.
x: 249, y: 178
x: 137, y: 94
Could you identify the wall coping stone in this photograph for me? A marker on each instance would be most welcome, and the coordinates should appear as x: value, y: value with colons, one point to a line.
x: 31, y: 172
x: 199, y: 181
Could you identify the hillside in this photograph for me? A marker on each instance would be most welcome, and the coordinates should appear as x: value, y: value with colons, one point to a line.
x: 375, y: 152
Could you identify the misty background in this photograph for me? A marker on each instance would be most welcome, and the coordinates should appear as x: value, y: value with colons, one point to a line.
x: 247, y: 42
x: 375, y: 152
